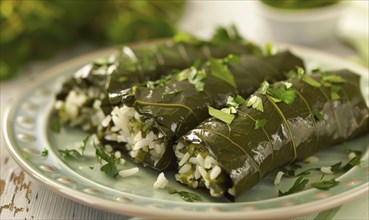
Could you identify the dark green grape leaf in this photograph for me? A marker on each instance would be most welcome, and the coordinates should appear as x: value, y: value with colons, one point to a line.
x: 219, y: 70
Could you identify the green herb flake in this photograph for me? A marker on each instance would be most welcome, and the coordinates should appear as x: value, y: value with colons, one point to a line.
x: 311, y: 81
x: 231, y: 58
x: 158, y: 83
x: 292, y: 172
x: 334, y: 92
x: 239, y: 100
x: 317, y: 115
x: 281, y: 93
x: 353, y: 162
x: 325, y: 184
x: 110, y: 167
x: 182, y: 37
x: 84, y: 144
x: 270, y: 49
x: 264, y: 86
x: 44, y: 152
x: 336, y: 168
x: 256, y: 103
x: 333, y: 78
x: 260, y: 123
x: 235, y: 102
x: 298, y: 186
x: 220, y: 70
x: 186, y: 196
x: 221, y: 115
x: 226, y: 34
x: 175, y: 91
x: 70, y: 154
x: 194, y: 76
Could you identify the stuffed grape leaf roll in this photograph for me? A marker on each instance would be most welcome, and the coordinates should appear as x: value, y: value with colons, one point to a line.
x: 83, y: 101
x: 152, y: 116
x: 292, y: 120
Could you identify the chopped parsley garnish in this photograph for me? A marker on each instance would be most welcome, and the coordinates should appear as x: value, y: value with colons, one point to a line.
x: 282, y: 94
x: 292, y: 172
x: 186, y: 196
x: 298, y: 186
x: 334, y: 92
x: 110, y: 167
x: 219, y: 70
x: 264, y: 87
x: 260, y: 123
x: 70, y: 154
x: 329, y: 80
x: 270, y: 49
x: 332, y: 78
x: 311, y: 81
x: 317, y: 115
x: 235, y: 102
x: 353, y: 162
x: 158, y: 83
x: 44, y: 152
x: 224, y: 35
x: 221, y: 115
x: 325, y: 184
x: 84, y: 144
x: 182, y: 37
x: 231, y: 58
x: 227, y: 114
x: 194, y: 76
x: 256, y: 103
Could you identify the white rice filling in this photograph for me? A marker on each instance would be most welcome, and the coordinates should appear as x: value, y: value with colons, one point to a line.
x: 129, y: 172
x: 326, y: 170
x: 198, y: 168
x: 161, y: 182
x: 73, y: 109
x: 126, y: 126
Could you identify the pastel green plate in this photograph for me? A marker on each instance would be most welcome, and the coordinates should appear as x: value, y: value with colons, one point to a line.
x: 27, y: 135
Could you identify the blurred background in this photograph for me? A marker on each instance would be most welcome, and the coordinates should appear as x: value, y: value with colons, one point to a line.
x: 35, y: 30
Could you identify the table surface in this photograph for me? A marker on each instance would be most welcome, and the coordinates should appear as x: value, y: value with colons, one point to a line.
x: 24, y: 198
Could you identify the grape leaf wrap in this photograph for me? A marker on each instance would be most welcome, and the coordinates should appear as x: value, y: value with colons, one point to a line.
x: 291, y: 133
x: 175, y: 114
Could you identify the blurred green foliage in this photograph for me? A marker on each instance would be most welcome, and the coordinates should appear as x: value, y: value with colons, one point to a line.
x: 37, y: 29
x: 299, y: 4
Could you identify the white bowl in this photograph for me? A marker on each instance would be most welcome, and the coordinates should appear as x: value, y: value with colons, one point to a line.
x: 303, y: 26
